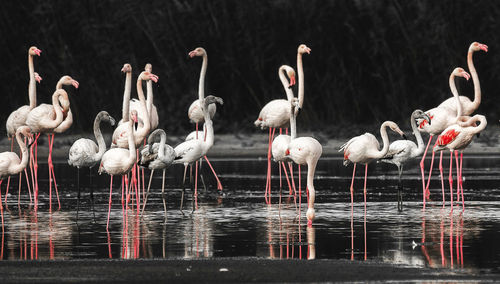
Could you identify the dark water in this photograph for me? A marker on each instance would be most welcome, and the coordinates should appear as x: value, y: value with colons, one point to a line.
x: 238, y: 222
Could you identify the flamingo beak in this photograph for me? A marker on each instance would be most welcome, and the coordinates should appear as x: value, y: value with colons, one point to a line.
x: 154, y: 78
x: 483, y: 47
x: 308, y: 50
x: 38, y: 79
x: 292, y: 81
x: 466, y: 75
x: 37, y: 51
x: 75, y: 83
x: 192, y: 54
x: 124, y: 70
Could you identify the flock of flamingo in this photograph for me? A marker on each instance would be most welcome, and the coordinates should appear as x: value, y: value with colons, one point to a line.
x: 127, y: 157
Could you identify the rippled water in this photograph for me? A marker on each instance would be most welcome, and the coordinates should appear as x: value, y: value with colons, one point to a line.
x: 238, y: 222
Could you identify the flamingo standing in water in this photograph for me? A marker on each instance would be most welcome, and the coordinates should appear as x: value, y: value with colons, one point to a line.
x: 157, y: 156
x: 119, y: 161
x: 456, y: 138
x: 85, y: 153
x: 401, y: 151
x: 42, y: 120
x: 441, y: 118
x: 276, y: 113
x: 10, y: 164
x: 190, y: 151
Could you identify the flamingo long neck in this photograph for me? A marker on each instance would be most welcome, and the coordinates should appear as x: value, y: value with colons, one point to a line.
x: 385, y: 141
x: 149, y: 98
x: 161, y: 149
x: 131, y: 143
x: 201, y: 84
x: 59, y: 84
x: 482, y: 123
x: 100, y: 140
x: 311, y: 168
x: 126, y: 97
x: 300, y: 71
x: 454, y: 91
x: 290, y: 97
x: 475, y: 80
x: 420, y: 142
x: 32, y: 83
x: 144, y: 130
x: 58, y: 111
x: 209, y: 130
x: 24, y: 159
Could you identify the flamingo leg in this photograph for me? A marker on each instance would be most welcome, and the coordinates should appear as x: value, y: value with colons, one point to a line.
x: 91, y: 193
x: 400, y: 196
x: 441, y: 175
x: 461, y: 182
x: 195, y: 195
x: 219, y: 185
x: 364, y: 193
x: 78, y: 196
x: 268, y: 182
x: 53, y: 172
x: 1, y: 206
x: 50, y: 177
x: 352, y: 211
x: 109, y: 208
x: 147, y: 193
x: 458, y: 177
x: 427, y: 191
x: 8, y: 179
x: 293, y: 184
x: 183, y: 186
x: 422, y: 168
x: 450, y: 179
x: 163, y: 196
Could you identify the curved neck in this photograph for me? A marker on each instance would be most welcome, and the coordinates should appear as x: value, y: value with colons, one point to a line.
x: 24, y: 159
x: 286, y: 84
x: 58, y: 111
x: 131, y: 143
x: 32, y: 83
x: 201, y: 84
x: 98, y: 137
x: 482, y: 123
x: 385, y: 141
x: 126, y: 97
x: 300, y: 71
x: 420, y: 142
x: 454, y: 91
x: 311, y: 168
x: 475, y: 80
x: 59, y: 85
x: 144, y: 130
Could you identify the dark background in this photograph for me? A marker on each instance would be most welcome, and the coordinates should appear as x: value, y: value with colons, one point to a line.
x: 371, y: 60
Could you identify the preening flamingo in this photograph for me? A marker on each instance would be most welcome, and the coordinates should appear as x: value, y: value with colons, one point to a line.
x: 469, y: 107
x: 10, y: 164
x: 157, y: 156
x: 41, y: 120
x: 18, y: 117
x: 119, y: 161
x: 151, y: 108
x: 85, y: 153
x: 441, y: 118
x: 400, y: 151
x: 190, y: 151
x: 456, y: 138
x: 276, y: 113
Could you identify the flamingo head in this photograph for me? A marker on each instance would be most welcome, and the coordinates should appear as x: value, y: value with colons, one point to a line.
x: 127, y: 68
x: 37, y: 77
x: 148, y: 67
x: 199, y: 51
x: 476, y: 46
x: 67, y: 80
x: 133, y: 116
x: 394, y: 127
x: 34, y: 51
x: 460, y: 72
x: 146, y: 76
x: 304, y: 49
x: 310, y: 216
x: 421, y: 115
x: 104, y: 115
x: 291, y: 74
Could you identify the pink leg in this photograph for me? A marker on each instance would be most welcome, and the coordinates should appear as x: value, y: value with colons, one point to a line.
x: 268, y: 164
x: 8, y: 179
x: 197, y: 131
x: 352, y: 211
x: 458, y: 176
x: 28, y: 184
x: 53, y: 173
x: 196, y: 185
x: 364, y: 193
x: 219, y: 185
x: 300, y: 185
x: 110, y: 193
x: 450, y: 179
x: 422, y: 168
x: 461, y: 182
x: 287, y: 179
x: 1, y: 206
x: 441, y: 174
x: 427, y: 191
x: 293, y: 180
x: 50, y: 177
x: 123, y: 192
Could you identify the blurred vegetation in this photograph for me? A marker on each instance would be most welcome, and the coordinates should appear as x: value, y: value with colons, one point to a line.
x: 371, y: 60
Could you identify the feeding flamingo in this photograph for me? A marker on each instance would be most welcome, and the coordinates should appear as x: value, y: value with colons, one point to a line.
x: 119, y: 161
x: 42, y: 120
x: 456, y: 138
x: 157, y: 156
x: 276, y: 113
x: 190, y: 151
x: 85, y: 153
x: 441, y: 118
x: 10, y: 164
x: 400, y: 151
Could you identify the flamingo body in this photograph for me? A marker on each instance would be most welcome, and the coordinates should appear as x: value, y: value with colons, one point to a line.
x: 275, y: 114
x: 195, y: 113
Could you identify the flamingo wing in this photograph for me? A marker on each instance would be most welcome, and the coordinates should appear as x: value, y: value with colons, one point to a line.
x: 447, y: 137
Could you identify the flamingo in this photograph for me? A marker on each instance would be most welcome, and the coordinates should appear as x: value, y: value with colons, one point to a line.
x: 276, y: 113
x: 151, y: 108
x: 441, y: 118
x: 10, y: 164
x: 456, y: 138
x: 85, y: 153
x: 469, y: 107
x: 401, y: 151
x: 41, y: 120
x: 119, y: 161
x: 190, y: 151
x: 281, y: 142
x: 157, y: 156
x: 127, y: 69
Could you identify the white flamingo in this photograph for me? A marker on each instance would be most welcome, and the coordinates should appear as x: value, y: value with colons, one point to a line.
x: 119, y: 161
x: 456, y: 138
x: 441, y: 118
x: 10, y: 164
x: 190, y: 151
x: 469, y: 107
x: 400, y: 151
x: 85, y: 153
x: 157, y: 156
x: 151, y: 108
x: 276, y: 113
